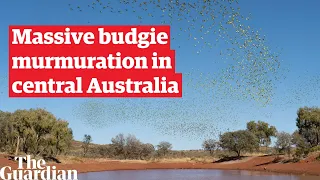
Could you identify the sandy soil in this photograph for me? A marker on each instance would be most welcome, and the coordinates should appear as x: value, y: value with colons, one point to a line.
x: 263, y: 163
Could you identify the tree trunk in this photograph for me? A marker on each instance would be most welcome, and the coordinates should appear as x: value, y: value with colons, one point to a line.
x: 238, y: 153
x: 266, y: 150
x: 84, y: 152
x: 18, y: 145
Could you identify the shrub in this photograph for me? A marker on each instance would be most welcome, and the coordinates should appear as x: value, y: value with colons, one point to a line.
x: 315, y: 149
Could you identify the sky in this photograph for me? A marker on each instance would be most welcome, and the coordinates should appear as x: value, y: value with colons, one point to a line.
x: 292, y: 26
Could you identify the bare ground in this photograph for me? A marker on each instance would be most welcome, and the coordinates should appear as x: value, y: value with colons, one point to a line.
x: 310, y: 166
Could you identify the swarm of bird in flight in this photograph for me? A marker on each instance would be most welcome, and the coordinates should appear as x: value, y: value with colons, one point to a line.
x: 212, y: 101
x: 252, y: 69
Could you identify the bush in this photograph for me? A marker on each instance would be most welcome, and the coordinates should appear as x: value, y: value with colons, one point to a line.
x: 277, y: 159
x: 315, y: 149
x: 239, y: 141
x: 34, y: 131
x: 301, y: 153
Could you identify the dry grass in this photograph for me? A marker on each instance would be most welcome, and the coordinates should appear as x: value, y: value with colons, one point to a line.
x: 133, y: 161
x: 254, y: 154
x: 243, y: 160
x: 183, y: 160
x: 75, y: 160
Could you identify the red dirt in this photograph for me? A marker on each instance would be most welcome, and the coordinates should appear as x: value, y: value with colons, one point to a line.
x: 254, y: 164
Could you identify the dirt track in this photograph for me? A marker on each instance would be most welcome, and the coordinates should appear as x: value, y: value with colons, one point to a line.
x: 309, y: 167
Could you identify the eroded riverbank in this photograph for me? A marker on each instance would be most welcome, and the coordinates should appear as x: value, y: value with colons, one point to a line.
x: 252, y: 164
x: 265, y: 164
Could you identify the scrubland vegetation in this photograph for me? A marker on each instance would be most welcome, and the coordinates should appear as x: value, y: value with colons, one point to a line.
x: 39, y: 133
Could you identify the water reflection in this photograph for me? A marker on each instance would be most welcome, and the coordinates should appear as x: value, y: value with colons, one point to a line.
x: 188, y: 175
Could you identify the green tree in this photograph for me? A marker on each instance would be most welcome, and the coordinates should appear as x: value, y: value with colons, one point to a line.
x: 239, y: 141
x: 18, y: 120
x: 34, y: 131
x: 87, y: 139
x: 263, y: 131
x: 302, y: 145
x: 7, y: 133
x: 32, y: 128
x: 308, y: 123
x: 62, y: 137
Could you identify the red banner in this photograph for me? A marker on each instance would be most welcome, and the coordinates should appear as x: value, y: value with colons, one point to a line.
x: 92, y: 61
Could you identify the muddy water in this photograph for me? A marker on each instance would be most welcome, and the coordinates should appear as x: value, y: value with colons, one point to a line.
x: 189, y: 175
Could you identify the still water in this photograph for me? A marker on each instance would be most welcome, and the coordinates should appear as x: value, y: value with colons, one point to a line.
x: 189, y: 175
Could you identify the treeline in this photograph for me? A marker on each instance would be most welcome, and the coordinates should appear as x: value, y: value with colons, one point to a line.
x: 257, y: 136
x: 40, y: 133
x: 35, y: 131
x: 125, y: 147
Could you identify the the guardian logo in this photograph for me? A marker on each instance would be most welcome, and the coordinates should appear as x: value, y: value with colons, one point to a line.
x: 36, y: 169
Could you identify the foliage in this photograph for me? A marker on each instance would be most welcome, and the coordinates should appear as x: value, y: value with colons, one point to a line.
x: 302, y: 145
x: 7, y: 132
x: 284, y: 143
x: 34, y: 131
x: 40, y: 133
x: 119, y: 143
x: 308, y: 123
x: 163, y: 148
x: 263, y: 132
x: 147, y: 150
x: 315, y: 149
x: 130, y: 147
x: 239, y: 141
x: 210, y: 145
x: 87, y: 139
x: 133, y: 147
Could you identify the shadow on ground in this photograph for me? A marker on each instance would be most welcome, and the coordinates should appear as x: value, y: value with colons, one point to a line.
x: 228, y: 159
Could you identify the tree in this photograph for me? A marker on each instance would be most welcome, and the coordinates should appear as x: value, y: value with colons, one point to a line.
x: 210, y: 145
x: 163, y: 148
x: 308, y: 123
x: 147, y: 150
x: 133, y: 147
x: 34, y: 131
x: 7, y: 133
x: 129, y: 147
x: 263, y: 131
x: 62, y: 137
x: 86, y: 144
x: 302, y: 145
x: 105, y: 151
x: 19, y: 120
x: 239, y: 141
x: 284, y: 143
x: 118, y: 143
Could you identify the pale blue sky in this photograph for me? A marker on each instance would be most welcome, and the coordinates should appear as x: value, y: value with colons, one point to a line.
x: 289, y: 24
